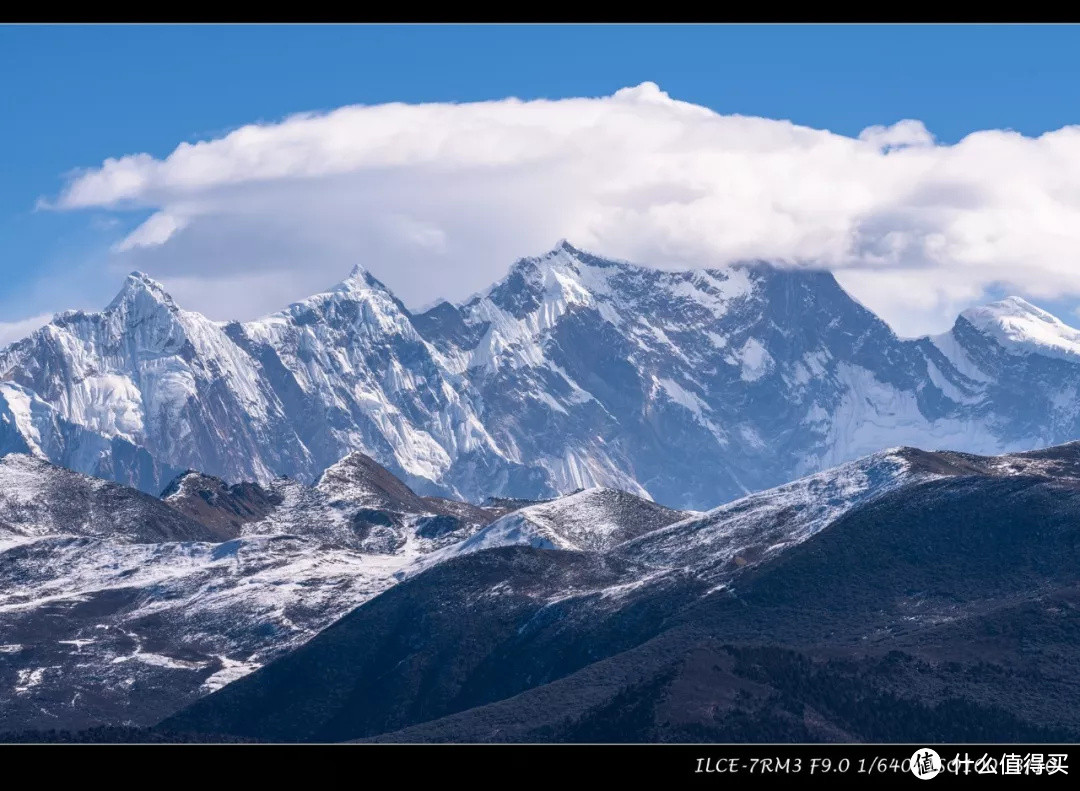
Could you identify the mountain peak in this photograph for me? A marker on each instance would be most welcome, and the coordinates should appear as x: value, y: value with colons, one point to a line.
x: 563, y: 246
x: 1009, y: 306
x: 140, y: 287
x: 359, y: 280
x: 356, y: 274
x: 559, y: 252
x: 564, y: 249
x: 1022, y: 328
x: 563, y: 256
x: 359, y: 478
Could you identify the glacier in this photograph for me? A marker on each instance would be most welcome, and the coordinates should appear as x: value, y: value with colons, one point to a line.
x: 690, y: 388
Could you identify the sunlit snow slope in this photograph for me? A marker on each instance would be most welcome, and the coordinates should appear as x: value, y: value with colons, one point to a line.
x: 689, y: 388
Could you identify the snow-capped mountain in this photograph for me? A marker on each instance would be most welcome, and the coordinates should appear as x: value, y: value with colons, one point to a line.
x: 39, y: 499
x: 353, y: 373
x: 30, y: 425
x: 686, y: 387
x: 118, y: 607
x: 698, y: 386
x: 751, y: 530
x: 745, y: 532
x: 907, y: 570
x: 593, y: 520
x: 167, y: 380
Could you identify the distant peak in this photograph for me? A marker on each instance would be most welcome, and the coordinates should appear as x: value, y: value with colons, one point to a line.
x: 359, y: 478
x: 559, y: 253
x: 1017, y: 325
x: 357, y: 273
x: 354, y: 459
x: 144, y: 279
x: 562, y: 247
x: 359, y: 279
x: 545, y: 259
x: 138, y: 286
x: 582, y: 257
x: 531, y: 269
x: 1006, y: 310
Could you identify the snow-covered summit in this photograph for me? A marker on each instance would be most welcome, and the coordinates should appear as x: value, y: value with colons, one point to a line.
x: 593, y: 520
x: 357, y: 278
x: 163, y: 379
x: 359, y: 299
x: 1022, y: 328
x: 689, y: 387
x: 359, y: 479
x: 141, y: 288
x: 360, y: 283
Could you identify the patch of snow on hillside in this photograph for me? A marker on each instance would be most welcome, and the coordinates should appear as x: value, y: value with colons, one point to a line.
x: 754, y: 359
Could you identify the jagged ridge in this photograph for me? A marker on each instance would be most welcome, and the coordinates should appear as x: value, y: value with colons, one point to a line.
x: 686, y: 387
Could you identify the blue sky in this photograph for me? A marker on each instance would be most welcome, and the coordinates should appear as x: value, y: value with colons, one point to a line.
x: 74, y: 96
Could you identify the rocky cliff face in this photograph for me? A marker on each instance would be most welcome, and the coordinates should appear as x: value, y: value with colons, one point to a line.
x: 690, y: 388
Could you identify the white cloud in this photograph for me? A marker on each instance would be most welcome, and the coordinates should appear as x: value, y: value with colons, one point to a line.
x: 903, y: 133
x: 155, y: 230
x: 11, y: 331
x: 437, y: 199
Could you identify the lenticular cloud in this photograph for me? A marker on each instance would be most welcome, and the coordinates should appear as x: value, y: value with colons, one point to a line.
x: 437, y: 199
